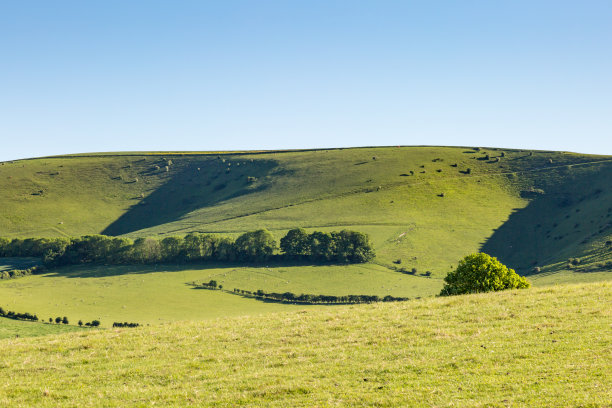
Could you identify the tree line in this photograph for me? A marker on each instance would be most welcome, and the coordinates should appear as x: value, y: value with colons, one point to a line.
x: 254, y: 246
x: 34, y: 318
x: 125, y: 324
x: 18, y: 316
x: 289, y: 297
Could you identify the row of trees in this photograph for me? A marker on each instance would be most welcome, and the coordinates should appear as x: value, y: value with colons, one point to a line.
x: 125, y: 324
x: 254, y: 246
x: 342, y: 246
x: 18, y: 316
x: 32, y: 317
x: 290, y: 297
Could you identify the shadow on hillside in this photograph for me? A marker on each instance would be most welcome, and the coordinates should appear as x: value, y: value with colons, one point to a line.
x: 102, y: 271
x: 554, y: 226
x: 191, y: 185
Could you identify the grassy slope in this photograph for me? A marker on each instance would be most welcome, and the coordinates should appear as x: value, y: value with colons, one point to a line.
x: 322, y: 189
x: 327, y: 189
x: 538, y: 347
x: 161, y: 294
x: 13, y: 328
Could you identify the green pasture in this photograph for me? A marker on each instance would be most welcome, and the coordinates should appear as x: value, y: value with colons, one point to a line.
x: 418, y: 203
x: 423, y: 209
x: 156, y: 294
x: 15, y: 328
x: 540, y: 347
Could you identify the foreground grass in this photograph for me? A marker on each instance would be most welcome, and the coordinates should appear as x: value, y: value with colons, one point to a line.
x: 538, y: 347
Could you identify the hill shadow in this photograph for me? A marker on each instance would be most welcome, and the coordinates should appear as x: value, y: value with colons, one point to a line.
x: 191, y: 184
x: 566, y: 213
x: 84, y: 271
x: 96, y: 270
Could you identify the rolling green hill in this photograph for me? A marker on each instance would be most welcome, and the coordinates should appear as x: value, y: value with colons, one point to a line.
x: 528, y: 208
x: 546, y: 214
x: 540, y: 347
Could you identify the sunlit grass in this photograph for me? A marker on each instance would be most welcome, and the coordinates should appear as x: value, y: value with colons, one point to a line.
x: 540, y: 347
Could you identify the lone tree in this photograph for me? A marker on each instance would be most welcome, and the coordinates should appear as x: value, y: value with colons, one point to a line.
x: 481, y: 273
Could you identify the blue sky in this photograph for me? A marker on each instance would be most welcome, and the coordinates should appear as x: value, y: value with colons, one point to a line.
x: 84, y: 76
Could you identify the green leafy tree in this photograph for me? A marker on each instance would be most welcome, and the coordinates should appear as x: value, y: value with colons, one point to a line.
x: 224, y: 249
x: 481, y: 273
x: 146, y: 250
x: 255, y: 245
x: 192, y: 247
x: 295, y: 243
x: 322, y: 246
x: 171, y: 248
x: 353, y: 246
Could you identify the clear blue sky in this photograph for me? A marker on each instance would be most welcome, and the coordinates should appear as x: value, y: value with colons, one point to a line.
x: 84, y: 76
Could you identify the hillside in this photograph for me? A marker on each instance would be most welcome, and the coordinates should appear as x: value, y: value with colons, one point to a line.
x: 421, y: 205
x: 540, y: 347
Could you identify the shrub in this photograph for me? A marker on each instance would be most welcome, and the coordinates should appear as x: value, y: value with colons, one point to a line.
x: 481, y: 273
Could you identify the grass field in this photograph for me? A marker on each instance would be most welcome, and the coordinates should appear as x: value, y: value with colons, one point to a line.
x: 421, y: 207
x: 14, y: 328
x: 367, y: 189
x: 158, y: 294
x: 540, y: 347
x: 152, y: 294
x: 546, y: 214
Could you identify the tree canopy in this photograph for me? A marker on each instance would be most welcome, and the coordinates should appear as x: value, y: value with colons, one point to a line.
x: 481, y: 273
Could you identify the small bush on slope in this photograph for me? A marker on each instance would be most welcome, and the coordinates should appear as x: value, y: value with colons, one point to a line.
x: 481, y: 273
